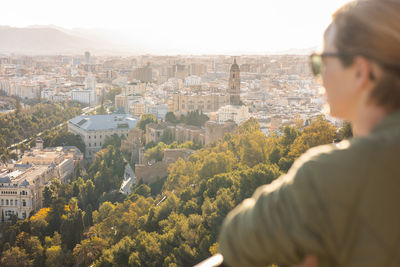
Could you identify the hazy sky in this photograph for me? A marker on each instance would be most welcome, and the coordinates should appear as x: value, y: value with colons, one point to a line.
x: 187, y: 26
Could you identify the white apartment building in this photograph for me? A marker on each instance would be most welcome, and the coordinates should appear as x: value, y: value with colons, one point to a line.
x: 88, y: 94
x: 238, y: 114
x: 5, y: 86
x: 84, y: 96
x: 192, y: 80
x: 27, y: 91
x: 95, y: 128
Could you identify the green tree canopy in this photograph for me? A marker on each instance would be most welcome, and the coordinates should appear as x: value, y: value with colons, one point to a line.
x: 144, y: 120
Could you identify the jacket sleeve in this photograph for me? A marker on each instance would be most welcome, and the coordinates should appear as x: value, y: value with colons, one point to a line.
x: 280, y: 223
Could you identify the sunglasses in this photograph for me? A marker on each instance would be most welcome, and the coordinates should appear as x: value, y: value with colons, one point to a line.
x: 316, y: 63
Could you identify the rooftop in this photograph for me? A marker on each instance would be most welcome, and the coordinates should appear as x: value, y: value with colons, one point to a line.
x: 104, y: 122
x: 23, y: 177
x: 31, y: 174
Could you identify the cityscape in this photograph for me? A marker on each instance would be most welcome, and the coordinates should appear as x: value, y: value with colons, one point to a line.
x: 112, y: 158
x: 116, y: 93
x: 275, y: 90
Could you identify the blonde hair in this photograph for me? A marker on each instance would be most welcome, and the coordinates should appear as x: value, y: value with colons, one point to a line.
x: 371, y: 28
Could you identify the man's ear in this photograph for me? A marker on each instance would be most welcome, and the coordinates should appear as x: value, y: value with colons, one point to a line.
x: 362, y: 72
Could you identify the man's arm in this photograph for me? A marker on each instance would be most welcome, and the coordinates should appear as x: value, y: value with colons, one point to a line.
x: 281, y: 223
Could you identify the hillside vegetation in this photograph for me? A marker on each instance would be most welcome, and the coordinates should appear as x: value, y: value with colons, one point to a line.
x: 178, y: 227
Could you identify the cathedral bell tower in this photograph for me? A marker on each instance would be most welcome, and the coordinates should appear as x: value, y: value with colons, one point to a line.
x: 234, y: 84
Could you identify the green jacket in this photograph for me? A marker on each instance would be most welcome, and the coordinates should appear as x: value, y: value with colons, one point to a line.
x: 340, y: 202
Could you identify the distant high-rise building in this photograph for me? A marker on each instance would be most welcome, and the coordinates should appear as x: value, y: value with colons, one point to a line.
x: 144, y: 74
x: 197, y: 69
x: 234, y: 84
x: 181, y: 71
x: 87, y: 57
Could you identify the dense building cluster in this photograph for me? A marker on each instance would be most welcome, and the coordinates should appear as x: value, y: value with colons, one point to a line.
x: 22, y: 182
x: 274, y: 89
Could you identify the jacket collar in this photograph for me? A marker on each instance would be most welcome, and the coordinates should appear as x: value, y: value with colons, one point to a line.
x: 392, y: 120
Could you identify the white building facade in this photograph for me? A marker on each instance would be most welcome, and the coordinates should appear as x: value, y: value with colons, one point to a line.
x: 95, y: 129
x: 22, y: 183
x: 192, y: 80
x: 84, y: 96
x: 238, y: 114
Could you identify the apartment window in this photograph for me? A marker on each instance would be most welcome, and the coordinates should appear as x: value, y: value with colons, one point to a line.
x: 24, y: 215
x: 7, y: 202
x: 100, y: 143
x: 16, y: 202
x: 2, y: 202
x: 12, y: 202
x: 90, y: 144
x: 24, y: 203
x: 94, y: 137
x: 94, y: 144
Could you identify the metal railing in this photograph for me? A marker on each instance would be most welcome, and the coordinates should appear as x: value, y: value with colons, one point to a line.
x: 213, y: 261
x: 218, y: 261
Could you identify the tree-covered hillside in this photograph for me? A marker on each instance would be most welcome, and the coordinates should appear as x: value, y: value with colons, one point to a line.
x: 178, y: 227
x: 26, y: 123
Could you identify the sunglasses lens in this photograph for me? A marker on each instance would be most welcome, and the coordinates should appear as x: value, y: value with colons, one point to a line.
x: 316, y: 63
